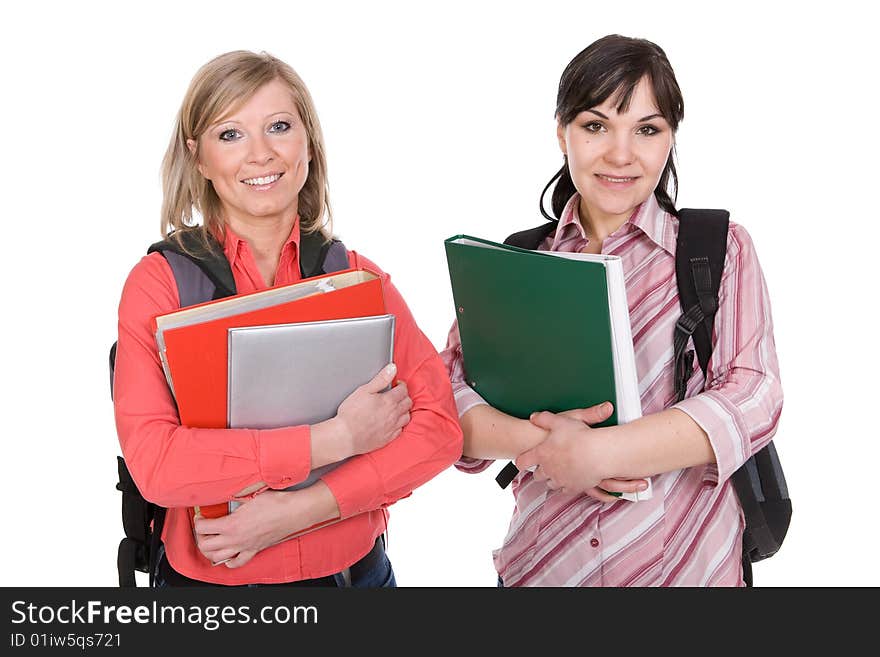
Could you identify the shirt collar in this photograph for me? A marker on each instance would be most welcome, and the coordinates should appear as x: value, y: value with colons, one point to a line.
x: 569, y: 223
x: 654, y: 222
x: 648, y: 217
x: 233, y: 243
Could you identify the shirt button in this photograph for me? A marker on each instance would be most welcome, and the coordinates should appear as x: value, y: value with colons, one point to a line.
x: 594, y: 542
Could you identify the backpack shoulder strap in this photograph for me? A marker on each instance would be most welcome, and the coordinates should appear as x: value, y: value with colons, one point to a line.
x: 699, y: 261
x: 321, y: 256
x: 532, y: 238
x: 202, y: 274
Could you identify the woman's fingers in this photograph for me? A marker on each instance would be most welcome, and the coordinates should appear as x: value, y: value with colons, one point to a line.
x: 399, y: 392
x: 591, y: 415
x: 624, y: 485
x: 601, y: 495
x: 218, y: 557
x: 240, y: 559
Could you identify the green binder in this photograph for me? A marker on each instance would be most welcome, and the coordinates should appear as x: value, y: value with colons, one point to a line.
x: 543, y: 330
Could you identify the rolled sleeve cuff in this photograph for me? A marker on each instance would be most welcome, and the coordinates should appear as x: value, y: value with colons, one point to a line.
x: 285, y: 455
x: 472, y: 466
x: 717, y: 417
x: 358, y: 494
x: 466, y: 398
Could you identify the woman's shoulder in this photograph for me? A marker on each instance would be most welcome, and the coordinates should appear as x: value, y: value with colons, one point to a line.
x: 150, y: 285
x: 741, y: 259
x: 393, y: 298
x: 153, y: 269
x: 739, y: 242
x: 359, y: 261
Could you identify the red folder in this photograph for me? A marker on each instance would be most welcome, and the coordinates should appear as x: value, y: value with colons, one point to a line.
x: 197, y: 354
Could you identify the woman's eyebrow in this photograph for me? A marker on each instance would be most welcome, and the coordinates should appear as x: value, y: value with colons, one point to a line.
x: 656, y: 115
x: 281, y: 112
x: 268, y: 116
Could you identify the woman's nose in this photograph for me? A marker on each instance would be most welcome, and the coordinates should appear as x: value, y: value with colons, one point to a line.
x: 620, y: 151
x: 260, y: 150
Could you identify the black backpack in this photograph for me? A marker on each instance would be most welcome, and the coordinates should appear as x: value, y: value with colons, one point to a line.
x: 201, y: 275
x: 699, y: 261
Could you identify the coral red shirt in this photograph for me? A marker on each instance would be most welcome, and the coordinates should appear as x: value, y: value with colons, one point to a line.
x: 178, y: 467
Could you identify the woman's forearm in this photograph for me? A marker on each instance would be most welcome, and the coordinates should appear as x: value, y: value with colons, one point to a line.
x: 656, y: 443
x: 314, y: 506
x: 578, y: 458
x: 491, y: 434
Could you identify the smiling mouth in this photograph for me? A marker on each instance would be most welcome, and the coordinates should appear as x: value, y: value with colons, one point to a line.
x: 613, y: 179
x: 262, y: 180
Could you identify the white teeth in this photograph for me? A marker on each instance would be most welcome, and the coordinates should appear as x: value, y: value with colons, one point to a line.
x: 262, y: 181
x: 616, y: 180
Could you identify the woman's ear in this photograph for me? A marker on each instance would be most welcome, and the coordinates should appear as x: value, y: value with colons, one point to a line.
x: 560, y: 136
x: 191, y: 144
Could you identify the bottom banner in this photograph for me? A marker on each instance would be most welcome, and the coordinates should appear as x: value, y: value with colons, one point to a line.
x: 235, y: 621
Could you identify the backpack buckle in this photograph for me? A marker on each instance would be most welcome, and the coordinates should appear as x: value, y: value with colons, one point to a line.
x: 688, y: 322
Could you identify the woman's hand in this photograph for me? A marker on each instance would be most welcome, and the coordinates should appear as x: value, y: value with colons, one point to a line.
x: 372, y: 418
x: 569, y: 458
x: 234, y: 539
x: 263, y: 521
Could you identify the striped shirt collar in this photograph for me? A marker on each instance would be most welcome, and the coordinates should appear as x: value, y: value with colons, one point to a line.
x: 648, y: 217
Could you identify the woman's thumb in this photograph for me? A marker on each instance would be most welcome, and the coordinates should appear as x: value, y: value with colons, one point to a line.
x: 383, y: 379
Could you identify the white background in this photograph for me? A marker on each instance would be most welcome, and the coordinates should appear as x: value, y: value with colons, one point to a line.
x: 438, y: 120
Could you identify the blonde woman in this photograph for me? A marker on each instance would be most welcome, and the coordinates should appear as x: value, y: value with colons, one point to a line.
x: 247, y: 155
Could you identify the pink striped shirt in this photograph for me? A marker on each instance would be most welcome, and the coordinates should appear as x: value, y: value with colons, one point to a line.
x: 690, y: 532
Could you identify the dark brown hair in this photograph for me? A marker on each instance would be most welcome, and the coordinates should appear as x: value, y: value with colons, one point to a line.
x: 613, y: 66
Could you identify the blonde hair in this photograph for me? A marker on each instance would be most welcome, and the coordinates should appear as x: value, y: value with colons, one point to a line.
x: 219, y: 87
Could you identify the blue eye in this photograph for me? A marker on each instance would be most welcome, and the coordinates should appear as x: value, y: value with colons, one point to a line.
x: 229, y: 135
x: 279, y: 126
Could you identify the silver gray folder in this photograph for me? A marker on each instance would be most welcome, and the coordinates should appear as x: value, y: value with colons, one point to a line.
x: 245, y: 303
x: 293, y: 374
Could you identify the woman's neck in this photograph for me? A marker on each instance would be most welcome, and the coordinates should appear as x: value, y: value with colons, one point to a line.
x: 598, y: 226
x: 266, y: 238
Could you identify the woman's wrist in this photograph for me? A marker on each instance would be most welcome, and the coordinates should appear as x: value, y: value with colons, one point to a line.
x: 603, y: 450
x: 310, y: 506
x: 526, y: 436
x: 492, y: 434
x: 331, y: 441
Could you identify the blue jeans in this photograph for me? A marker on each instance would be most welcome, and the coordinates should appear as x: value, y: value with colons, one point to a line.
x: 378, y: 574
x: 372, y: 571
